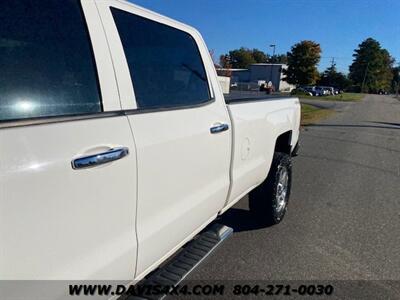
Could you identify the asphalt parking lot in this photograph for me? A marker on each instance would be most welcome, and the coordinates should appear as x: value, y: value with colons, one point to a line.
x: 343, y: 221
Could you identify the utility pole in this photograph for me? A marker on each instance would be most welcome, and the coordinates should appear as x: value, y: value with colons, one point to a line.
x: 332, y: 62
x: 273, y: 54
x: 365, y: 77
x: 273, y: 51
x: 398, y: 85
x: 332, y: 66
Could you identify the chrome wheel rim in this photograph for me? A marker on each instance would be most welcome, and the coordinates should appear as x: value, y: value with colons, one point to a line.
x: 282, y: 189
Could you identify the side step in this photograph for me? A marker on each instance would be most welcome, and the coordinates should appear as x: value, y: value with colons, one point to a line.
x: 175, y: 270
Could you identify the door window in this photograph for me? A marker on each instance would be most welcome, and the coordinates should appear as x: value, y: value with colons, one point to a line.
x: 165, y: 63
x: 46, y: 62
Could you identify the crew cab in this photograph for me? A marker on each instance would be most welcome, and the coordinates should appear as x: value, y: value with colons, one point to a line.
x: 117, y: 145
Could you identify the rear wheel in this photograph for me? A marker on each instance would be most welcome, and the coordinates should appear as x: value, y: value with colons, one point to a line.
x: 270, y: 200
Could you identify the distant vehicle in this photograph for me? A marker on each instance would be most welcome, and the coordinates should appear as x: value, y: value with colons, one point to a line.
x: 309, y: 89
x: 318, y: 90
x: 382, y: 92
x: 303, y: 90
x: 330, y: 90
x: 338, y: 91
x: 325, y: 90
x: 321, y: 91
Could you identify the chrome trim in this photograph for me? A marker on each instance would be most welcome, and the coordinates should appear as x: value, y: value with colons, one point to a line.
x: 100, y: 158
x: 219, y: 128
x: 107, y: 114
x: 57, y: 119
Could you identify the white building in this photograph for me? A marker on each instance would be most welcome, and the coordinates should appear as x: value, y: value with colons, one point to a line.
x: 262, y: 72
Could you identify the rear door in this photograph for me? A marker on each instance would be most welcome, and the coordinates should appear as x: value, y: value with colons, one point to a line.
x: 181, y: 127
x: 67, y: 157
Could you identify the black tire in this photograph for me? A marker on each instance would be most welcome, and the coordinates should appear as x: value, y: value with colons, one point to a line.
x: 267, y: 201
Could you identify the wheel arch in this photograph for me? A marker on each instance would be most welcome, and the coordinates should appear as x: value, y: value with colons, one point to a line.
x: 283, y: 142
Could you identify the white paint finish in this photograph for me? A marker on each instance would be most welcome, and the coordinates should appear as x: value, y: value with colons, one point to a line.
x: 127, y: 95
x: 60, y: 223
x: 177, y: 247
x: 104, y: 64
x: 296, y: 123
x: 256, y: 126
x: 183, y: 176
x: 225, y: 84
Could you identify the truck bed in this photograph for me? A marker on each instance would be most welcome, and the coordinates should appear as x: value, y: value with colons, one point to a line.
x: 257, y: 122
x: 247, y: 96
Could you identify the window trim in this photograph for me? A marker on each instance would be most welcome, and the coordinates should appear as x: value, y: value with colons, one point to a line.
x: 210, y: 95
x: 92, y: 54
x: 101, y: 115
x: 37, y: 120
x: 122, y: 72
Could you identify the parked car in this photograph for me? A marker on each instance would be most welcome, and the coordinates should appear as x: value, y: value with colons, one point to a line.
x: 331, y: 90
x: 322, y: 91
x: 382, y: 92
x: 308, y: 89
x: 104, y: 176
x: 339, y: 91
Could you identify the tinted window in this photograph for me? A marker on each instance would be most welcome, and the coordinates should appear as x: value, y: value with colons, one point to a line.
x: 165, y: 63
x: 46, y: 63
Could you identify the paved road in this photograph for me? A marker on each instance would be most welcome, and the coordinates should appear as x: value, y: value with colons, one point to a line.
x: 343, y: 221
x: 339, y: 106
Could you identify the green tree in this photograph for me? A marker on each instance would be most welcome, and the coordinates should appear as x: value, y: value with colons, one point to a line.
x: 278, y: 59
x: 371, y: 69
x: 259, y: 56
x: 331, y: 77
x: 396, y: 79
x: 302, y: 63
x: 241, y: 58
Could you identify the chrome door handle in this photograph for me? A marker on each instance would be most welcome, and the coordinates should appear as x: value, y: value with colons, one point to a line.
x: 99, y: 158
x: 219, y: 128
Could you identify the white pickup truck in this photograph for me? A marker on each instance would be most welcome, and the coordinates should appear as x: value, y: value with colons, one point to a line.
x: 117, y: 145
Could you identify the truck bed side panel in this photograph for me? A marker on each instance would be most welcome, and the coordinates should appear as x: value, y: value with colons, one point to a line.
x: 256, y: 127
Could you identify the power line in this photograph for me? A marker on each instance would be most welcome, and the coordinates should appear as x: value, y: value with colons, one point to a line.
x: 337, y: 58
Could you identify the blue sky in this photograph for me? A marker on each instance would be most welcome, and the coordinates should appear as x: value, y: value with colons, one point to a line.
x: 338, y: 25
